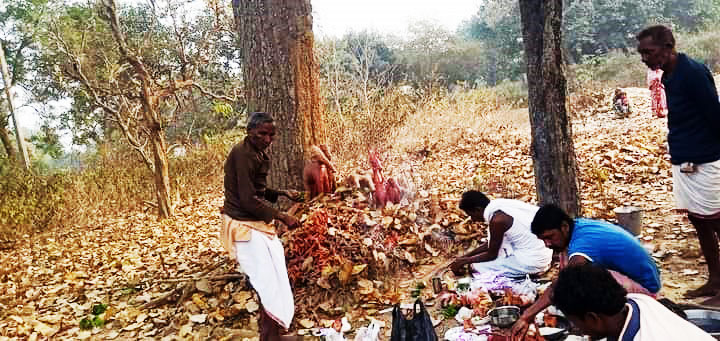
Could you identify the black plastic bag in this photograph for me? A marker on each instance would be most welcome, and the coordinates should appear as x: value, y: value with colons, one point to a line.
x: 419, y: 328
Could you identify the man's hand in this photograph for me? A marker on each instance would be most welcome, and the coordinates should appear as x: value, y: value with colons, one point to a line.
x: 458, y: 266
x: 289, y: 221
x: 519, y: 329
x: 294, y: 195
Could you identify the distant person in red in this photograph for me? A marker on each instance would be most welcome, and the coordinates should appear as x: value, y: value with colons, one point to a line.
x: 657, y: 92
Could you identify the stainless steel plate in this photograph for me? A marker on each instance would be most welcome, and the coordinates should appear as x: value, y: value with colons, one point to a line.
x: 707, y: 320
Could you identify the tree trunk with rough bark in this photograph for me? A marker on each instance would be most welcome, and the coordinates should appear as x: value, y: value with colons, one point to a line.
x: 281, y: 78
x: 7, y: 81
x: 6, y: 141
x: 149, y: 97
x: 553, y: 152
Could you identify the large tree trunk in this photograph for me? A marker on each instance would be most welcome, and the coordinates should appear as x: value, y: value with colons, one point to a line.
x: 281, y: 78
x: 153, y: 122
x: 552, y: 145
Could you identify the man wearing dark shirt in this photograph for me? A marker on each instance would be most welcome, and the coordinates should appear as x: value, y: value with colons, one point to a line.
x: 246, y: 231
x: 694, y: 142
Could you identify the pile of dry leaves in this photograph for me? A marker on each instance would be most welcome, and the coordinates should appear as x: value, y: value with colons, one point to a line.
x: 345, y: 254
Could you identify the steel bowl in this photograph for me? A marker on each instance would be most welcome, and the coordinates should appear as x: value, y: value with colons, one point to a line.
x: 707, y: 320
x: 504, y: 316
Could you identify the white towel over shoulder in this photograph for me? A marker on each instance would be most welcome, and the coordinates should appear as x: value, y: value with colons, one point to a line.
x: 658, y: 323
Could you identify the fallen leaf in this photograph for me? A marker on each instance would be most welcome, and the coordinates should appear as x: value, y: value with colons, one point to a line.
x: 252, y: 306
x: 203, y: 286
x: 358, y: 268
x: 307, y: 324
x: 345, y: 273
x: 185, y: 330
x: 198, y: 318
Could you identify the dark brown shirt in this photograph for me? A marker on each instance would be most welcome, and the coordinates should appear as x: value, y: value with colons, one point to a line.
x: 246, y: 170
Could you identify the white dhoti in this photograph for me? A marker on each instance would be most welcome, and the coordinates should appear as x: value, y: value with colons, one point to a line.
x: 510, y: 266
x: 698, y: 193
x: 261, y: 257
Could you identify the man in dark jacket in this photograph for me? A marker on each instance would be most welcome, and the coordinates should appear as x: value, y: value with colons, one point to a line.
x: 247, y: 233
x: 694, y: 141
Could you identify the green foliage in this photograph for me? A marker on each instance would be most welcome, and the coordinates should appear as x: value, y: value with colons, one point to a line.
x: 617, y: 68
x: 497, y: 25
x: 449, y: 311
x: 703, y: 46
x: 434, y: 56
x: 95, y: 321
x: 77, y: 38
x: 86, y: 324
x: 47, y: 141
x: 99, y: 308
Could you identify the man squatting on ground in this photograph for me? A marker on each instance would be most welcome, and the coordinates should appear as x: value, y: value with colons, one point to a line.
x: 694, y: 141
x: 512, y: 249
x: 247, y: 233
x: 599, y: 306
x: 587, y: 241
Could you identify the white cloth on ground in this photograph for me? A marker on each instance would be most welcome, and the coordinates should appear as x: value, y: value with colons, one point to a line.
x: 521, y: 252
x: 698, y: 192
x: 262, y: 258
x: 658, y: 323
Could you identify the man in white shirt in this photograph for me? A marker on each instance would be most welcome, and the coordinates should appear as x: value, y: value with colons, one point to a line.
x: 594, y: 302
x: 512, y: 249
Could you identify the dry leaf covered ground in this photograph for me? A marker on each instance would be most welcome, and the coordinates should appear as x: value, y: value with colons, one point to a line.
x: 171, y: 280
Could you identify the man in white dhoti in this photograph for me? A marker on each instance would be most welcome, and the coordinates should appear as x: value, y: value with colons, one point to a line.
x: 599, y: 306
x: 694, y: 141
x: 512, y: 250
x: 247, y: 233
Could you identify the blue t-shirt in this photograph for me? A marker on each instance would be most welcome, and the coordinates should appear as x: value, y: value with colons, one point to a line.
x: 613, y: 248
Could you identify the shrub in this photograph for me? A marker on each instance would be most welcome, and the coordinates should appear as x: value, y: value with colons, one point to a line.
x: 29, y: 202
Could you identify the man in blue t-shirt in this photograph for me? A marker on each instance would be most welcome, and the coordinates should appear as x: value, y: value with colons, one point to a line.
x: 591, y: 241
x: 694, y: 141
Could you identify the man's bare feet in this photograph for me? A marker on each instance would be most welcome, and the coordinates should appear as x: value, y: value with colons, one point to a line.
x: 707, y: 289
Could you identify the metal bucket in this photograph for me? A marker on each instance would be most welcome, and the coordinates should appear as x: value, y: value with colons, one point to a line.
x: 630, y: 218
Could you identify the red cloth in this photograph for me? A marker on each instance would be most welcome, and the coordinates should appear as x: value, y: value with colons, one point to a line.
x: 657, y: 93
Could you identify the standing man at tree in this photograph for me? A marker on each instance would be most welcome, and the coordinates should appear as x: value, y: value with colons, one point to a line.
x: 247, y: 233
x: 694, y: 141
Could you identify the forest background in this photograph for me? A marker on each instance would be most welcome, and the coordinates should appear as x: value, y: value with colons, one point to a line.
x: 371, y: 84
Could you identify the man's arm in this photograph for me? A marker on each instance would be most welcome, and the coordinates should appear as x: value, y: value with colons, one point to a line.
x: 706, y: 95
x: 500, y: 223
x: 520, y: 327
x: 247, y: 193
x: 482, y: 248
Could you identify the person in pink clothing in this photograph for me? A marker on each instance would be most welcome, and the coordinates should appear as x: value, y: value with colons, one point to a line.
x: 657, y: 92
